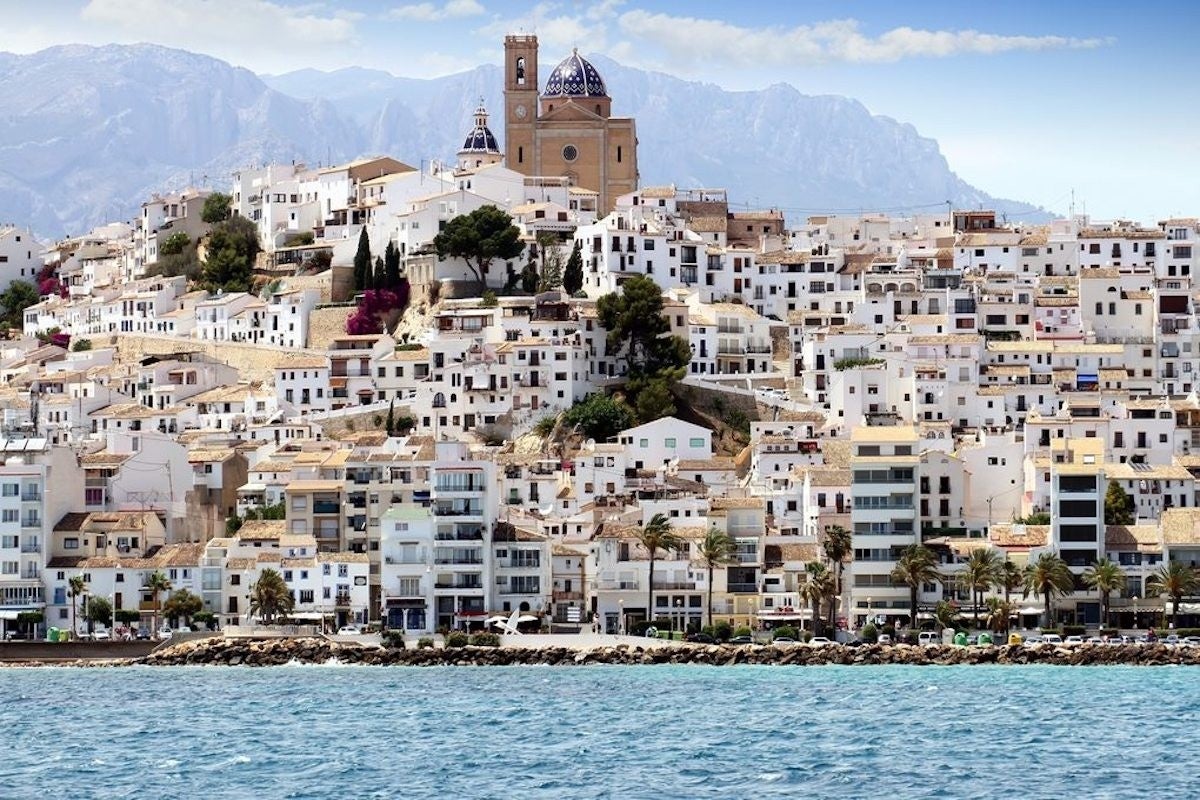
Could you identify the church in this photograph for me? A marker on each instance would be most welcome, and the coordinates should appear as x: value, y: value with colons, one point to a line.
x: 567, y: 128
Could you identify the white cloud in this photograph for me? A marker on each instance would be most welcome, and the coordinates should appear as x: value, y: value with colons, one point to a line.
x: 689, y: 39
x: 558, y: 32
x: 429, y: 12
x: 259, y: 34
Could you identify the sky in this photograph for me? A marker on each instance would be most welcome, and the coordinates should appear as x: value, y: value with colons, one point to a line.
x: 1031, y: 100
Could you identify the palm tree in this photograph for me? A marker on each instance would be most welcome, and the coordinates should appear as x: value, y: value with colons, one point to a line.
x: 76, y: 587
x: 1105, y: 577
x: 917, y: 565
x: 270, y: 597
x: 999, y: 616
x: 156, y: 584
x: 838, y: 547
x: 1048, y: 576
x: 982, y: 570
x: 1174, y: 579
x: 1010, y: 577
x: 819, y: 587
x: 656, y: 535
x: 717, y: 549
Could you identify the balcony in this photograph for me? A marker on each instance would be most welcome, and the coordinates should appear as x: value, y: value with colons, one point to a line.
x: 440, y: 510
x: 31, y: 547
x: 730, y: 349
x: 459, y: 585
x: 618, y: 586
x: 458, y: 560
x: 675, y: 585
x: 564, y: 597
x: 341, y: 600
x: 325, y: 507
x: 31, y: 522
x: 742, y: 588
x: 31, y: 496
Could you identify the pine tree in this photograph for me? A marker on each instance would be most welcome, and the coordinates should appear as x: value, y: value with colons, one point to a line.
x: 573, y: 275
x: 362, y: 263
x: 391, y: 263
x: 529, y: 278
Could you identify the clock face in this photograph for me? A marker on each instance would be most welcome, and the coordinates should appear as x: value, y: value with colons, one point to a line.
x: 520, y: 111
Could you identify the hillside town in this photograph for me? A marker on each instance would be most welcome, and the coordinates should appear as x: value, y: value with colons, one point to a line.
x: 520, y: 384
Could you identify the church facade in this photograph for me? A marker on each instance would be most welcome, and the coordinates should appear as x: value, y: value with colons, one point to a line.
x: 566, y: 128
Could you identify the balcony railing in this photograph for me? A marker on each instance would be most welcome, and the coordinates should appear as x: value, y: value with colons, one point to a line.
x: 31, y: 522
x: 743, y: 588
x: 31, y: 547
x: 457, y: 560
x: 561, y: 597
x: 31, y: 496
x: 325, y: 507
x: 675, y: 585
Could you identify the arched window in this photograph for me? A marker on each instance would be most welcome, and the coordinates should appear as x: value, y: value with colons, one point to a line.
x: 520, y: 71
x: 439, y: 400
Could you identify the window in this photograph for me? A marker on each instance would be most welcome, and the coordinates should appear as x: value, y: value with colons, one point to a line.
x: 570, y: 153
x: 643, y: 442
x: 669, y: 441
x: 325, y: 569
x: 10, y: 490
x: 287, y: 575
x: 306, y: 595
x: 9, y: 515
x: 343, y: 570
x: 696, y: 441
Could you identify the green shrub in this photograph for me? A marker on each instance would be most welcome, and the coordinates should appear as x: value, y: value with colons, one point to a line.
x: 425, y: 643
x: 489, y: 299
x: 81, y: 345
x: 485, y: 640
x: 889, y: 630
x: 722, y: 631
x: 869, y: 633
x: 393, y: 640
x: 457, y: 639
x: 850, y: 363
x: 784, y: 632
x: 742, y: 630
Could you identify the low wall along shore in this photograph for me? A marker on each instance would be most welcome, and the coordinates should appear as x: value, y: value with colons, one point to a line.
x: 233, y: 652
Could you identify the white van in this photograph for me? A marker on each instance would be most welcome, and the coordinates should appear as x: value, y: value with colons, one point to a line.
x: 929, y: 638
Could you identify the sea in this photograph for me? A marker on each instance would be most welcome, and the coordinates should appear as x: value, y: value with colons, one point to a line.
x: 598, y: 732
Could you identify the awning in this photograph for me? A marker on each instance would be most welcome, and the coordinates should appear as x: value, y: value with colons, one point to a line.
x: 9, y: 615
x: 1030, y: 610
x: 308, y: 615
x: 1184, y: 608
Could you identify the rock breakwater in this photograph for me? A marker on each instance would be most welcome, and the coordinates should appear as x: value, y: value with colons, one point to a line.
x: 277, y: 652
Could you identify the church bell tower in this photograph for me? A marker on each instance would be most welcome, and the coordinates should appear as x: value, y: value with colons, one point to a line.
x: 520, y: 101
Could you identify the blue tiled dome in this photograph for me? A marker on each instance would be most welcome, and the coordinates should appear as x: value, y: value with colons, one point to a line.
x: 575, y: 77
x: 480, y: 139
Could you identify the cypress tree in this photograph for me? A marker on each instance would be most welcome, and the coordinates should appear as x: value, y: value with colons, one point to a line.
x: 362, y: 262
x: 573, y: 275
x: 391, y: 263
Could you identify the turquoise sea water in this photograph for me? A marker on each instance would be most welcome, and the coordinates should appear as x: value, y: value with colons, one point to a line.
x: 598, y: 732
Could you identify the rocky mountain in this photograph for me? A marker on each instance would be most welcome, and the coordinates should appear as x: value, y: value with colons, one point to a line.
x: 88, y: 132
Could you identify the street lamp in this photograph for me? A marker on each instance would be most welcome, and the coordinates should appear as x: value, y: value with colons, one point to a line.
x: 868, y: 617
x: 621, y: 617
x: 679, y: 613
x: 1135, y: 612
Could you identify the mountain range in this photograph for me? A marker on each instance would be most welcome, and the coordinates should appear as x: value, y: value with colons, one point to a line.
x: 88, y: 133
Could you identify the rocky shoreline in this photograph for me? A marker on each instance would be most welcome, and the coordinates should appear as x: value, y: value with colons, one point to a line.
x: 277, y: 652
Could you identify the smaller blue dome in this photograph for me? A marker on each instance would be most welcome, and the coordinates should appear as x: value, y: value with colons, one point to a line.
x: 575, y: 77
x: 480, y: 139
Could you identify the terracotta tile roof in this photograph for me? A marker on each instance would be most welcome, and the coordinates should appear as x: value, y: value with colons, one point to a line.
x: 1009, y: 535
x: 722, y: 503
x: 1181, y: 526
x: 262, y: 529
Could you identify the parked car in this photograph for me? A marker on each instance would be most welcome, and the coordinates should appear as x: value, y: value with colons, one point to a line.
x: 102, y: 636
x: 1052, y: 638
x: 1073, y: 641
x: 143, y: 633
x: 1171, y: 639
x: 164, y: 632
x: 742, y: 640
x: 183, y: 629
x: 1191, y: 641
x: 349, y: 630
x: 884, y: 638
x: 783, y: 640
x: 700, y: 638
x: 820, y: 641
x: 1093, y: 640
x: 929, y: 638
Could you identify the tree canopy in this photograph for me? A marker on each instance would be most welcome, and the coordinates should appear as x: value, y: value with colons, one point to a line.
x: 182, y: 605
x: 599, y: 416
x: 216, y: 208
x: 19, y: 296
x: 641, y: 336
x: 478, y: 238
x: 1117, y: 505
x: 229, y: 258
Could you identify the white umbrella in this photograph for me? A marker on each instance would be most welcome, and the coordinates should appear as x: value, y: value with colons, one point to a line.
x: 495, y: 620
x: 527, y: 618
